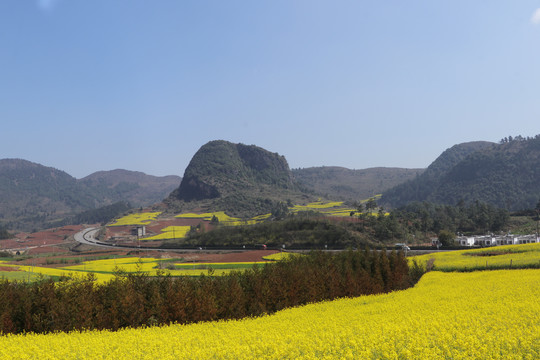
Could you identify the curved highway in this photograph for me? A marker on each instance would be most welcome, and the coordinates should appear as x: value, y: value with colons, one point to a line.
x: 88, y: 237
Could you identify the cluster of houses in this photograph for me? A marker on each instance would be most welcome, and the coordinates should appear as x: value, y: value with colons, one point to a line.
x: 492, y: 240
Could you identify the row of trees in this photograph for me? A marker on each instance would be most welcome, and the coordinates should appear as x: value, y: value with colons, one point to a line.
x: 137, y: 300
x: 518, y: 138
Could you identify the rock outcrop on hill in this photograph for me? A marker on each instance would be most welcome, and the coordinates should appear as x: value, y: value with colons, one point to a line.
x: 221, y: 168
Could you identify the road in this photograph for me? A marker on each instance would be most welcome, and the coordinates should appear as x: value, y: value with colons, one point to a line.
x: 88, y: 237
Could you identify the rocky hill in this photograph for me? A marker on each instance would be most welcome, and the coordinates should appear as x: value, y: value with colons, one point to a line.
x: 33, y: 196
x: 340, y: 183
x: 505, y: 174
x: 240, y: 179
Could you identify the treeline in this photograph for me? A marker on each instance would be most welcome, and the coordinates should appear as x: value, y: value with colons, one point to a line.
x: 137, y: 300
x: 473, y: 218
x: 517, y: 138
x: 294, y: 231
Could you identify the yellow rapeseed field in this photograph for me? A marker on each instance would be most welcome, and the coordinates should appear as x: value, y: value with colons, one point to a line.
x: 170, y: 232
x: 136, y: 219
x: 486, y: 258
x: 105, y: 270
x: 479, y: 315
x: 316, y: 206
x: 280, y: 256
x: 223, y: 218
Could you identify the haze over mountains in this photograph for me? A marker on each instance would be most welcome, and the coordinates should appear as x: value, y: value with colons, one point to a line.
x: 340, y: 183
x: 246, y: 180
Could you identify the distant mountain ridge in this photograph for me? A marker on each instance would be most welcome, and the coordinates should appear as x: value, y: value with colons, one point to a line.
x: 136, y: 187
x: 506, y: 175
x: 33, y: 195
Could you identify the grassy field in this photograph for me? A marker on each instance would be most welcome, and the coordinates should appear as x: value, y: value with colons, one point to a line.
x: 477, y: 315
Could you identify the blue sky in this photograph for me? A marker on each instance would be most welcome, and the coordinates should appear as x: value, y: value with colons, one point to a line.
x: 142, y: 85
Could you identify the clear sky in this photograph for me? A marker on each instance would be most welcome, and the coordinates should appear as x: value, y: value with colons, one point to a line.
x: 89, y: 85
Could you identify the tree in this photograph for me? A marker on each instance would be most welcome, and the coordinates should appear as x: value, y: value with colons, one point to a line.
x: 280, y: 211
x: 537, y: 210
x: 371, y: 205
x: 446, y: 238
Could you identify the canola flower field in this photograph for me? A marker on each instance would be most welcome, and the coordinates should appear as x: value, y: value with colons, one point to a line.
x: 223, y: 218
x: 498, y: 257
x: 144, y: 218
x: 170, y: 232
x: 477, y: 315
x: 105, y: 270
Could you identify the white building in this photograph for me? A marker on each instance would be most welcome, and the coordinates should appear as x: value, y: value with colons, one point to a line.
x: 486, y: 240
x: 464, y: 241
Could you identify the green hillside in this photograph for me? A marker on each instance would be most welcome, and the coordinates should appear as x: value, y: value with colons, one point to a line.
x: 33, y: 196
x: 505, y: 175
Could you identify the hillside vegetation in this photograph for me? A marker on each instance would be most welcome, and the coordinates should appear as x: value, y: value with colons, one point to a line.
x: 33, y: 196
x: 243, y: 180
x: 505, y: 175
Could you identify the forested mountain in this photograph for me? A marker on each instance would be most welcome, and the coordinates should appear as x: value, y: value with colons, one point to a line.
x: 243, y: 180
x: 33, y: 195
x: 345, y: 184
x: 505, y: 175
x: 138, y: 188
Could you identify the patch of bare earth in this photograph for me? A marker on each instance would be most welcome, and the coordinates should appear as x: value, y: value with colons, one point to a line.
x: 243, y: 256
x: 8, y: 268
